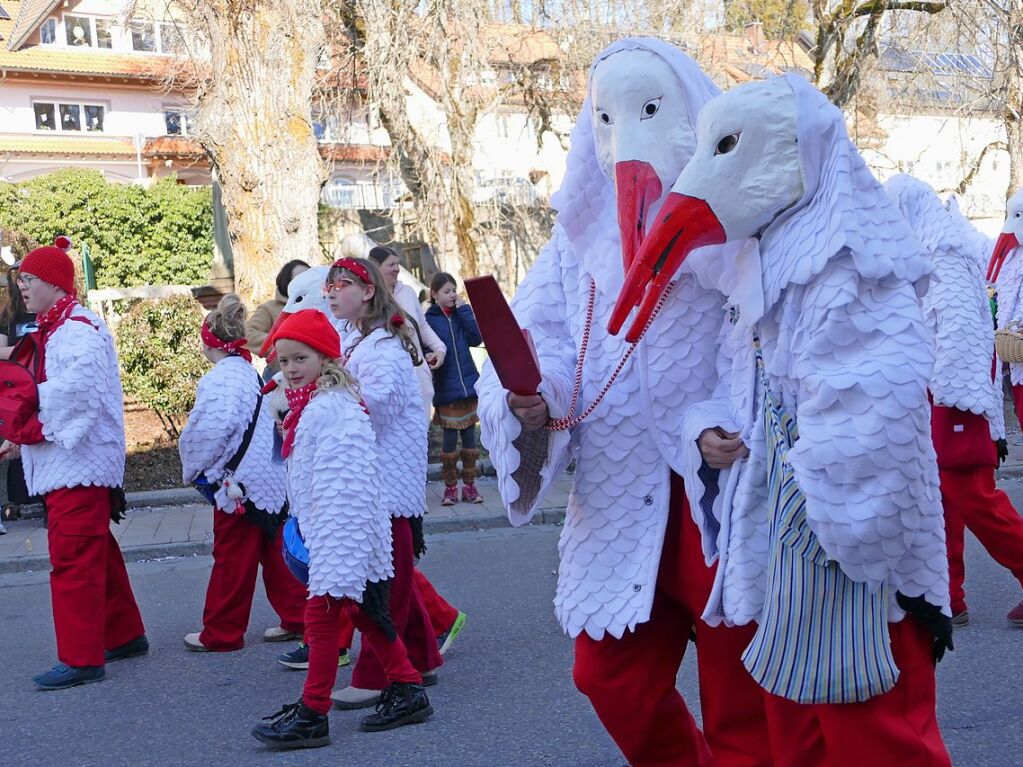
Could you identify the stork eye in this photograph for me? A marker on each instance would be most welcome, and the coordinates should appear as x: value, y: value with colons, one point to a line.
x: 651, y: 108
x: 604, y: 117
x: 727, y: 144
x: 298, y: 300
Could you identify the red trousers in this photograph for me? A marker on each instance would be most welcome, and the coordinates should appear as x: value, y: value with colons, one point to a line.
x: 631, y: 681
x: 972, y: 500
x: 94, y: 608
x: 324, y: 618
x: 442, y: 614
x: 409, y: 615
x: 897, y: 728
x: 1017, y: 401
x: 239, y: 548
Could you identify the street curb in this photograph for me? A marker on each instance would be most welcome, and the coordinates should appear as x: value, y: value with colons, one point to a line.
x: 204, y: 548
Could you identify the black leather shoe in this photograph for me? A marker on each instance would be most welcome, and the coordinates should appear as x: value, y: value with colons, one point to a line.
x: 133, y: 649
x: 294, y: 726
x: 400, y: 704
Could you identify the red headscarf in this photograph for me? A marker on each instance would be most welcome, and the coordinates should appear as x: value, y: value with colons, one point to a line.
x: 353, y: 266
x: 234, y: 348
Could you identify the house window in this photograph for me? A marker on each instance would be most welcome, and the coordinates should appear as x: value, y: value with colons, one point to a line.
x: 104, y: 33
x: 143, y: 36
x: 69, y: 117
x: 79, y: 31
x: 171, y: 40
x: 48, y: 32
x: 178, y: 122
x: 45, y: 116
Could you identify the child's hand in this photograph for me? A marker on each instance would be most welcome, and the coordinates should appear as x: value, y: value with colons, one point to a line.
x: 720, y: 448
x: 531, y: 410
x: 433, y: 360
x: 9, y: 451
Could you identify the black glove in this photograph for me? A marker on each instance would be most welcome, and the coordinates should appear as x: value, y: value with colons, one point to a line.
x: 1002, y: 447
x: 936, y: 622
x: 118, y: 504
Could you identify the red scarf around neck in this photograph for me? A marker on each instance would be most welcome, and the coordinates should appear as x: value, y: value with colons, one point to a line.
x: 297, y: 401
x: 55, y: 316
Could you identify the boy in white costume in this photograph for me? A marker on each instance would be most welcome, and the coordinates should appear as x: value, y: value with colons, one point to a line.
x: 833, y: 526
x: 632, y: 580
x: 967, y: 416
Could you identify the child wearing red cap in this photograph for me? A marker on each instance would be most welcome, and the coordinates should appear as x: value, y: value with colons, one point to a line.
x: 380, y: 352
x: 73, y: 452
x: 334, y: 493
x: 228, y: 442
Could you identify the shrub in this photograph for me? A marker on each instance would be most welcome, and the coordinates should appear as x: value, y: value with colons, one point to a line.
x: 161, y: 361
x: 156, y: 235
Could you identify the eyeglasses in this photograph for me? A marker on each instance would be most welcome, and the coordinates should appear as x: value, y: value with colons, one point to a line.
x: 25, y: 280
x: 330, y: 287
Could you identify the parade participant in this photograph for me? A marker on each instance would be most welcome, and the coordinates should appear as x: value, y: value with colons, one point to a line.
x: 632, y: 579
x: 73, y: 452
x: 967, y: 419
x: 1005, y: 272
x: 262, y: 320
x: 380, y: 354
x: 334, y: 488
x: 833, y: 532
x: 227, y: 443
x: 455, y: 387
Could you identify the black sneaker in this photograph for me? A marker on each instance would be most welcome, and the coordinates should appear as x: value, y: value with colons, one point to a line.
x: 298, y: 658
x: 400, y: 704
x: 294, y: 726
x: 133, y: 649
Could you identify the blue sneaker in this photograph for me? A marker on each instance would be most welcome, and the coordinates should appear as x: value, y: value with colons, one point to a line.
x: 136, y: 647
x: 298, y: 658
x: 62, y: 676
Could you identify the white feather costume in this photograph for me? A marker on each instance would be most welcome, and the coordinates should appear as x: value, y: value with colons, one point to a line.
x: 388, y: 384
x: 956, y: 306
x: 334, y: 488
x: 831, y: 288
x: 626, y: 450
x: 81, y: 407
x: 1009, y: 284
x: 225, y: 401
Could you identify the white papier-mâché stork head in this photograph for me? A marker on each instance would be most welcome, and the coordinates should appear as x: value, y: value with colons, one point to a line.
x: 744, y: 172
x: 305, y: 291
x: 1011, y: 236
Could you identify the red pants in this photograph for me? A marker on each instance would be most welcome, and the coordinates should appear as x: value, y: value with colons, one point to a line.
x: 239, y: 548
x: 324, y: 618
x: 94, y: 608
x: 971, y: 500
x: 897, y: 728
x: 1017, y: 401
x: 631, y: 681
x: 442, y: 615
x: 409, y: 616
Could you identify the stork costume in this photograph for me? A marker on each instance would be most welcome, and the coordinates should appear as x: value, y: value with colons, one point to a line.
x: 76, y: 462
x: 834, y: 521
x: 334, y: 489
x: 246, y: 527
x: 632, y: 581
x: 1006, y: 272
x: 967, y: 415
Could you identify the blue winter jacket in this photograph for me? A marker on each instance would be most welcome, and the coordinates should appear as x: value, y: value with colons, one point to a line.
x: 456, y: 378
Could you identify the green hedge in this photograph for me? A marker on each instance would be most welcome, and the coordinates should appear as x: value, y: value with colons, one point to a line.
x: 156, y: 235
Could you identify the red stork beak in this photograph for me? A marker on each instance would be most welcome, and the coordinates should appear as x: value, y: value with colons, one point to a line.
x: 266, y: 351
x: 683, y: 225
x: 637, y: 187
x: 1003, y: 246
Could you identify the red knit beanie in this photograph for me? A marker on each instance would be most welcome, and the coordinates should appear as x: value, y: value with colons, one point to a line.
x: 51, y: 264
x: 312, y: 328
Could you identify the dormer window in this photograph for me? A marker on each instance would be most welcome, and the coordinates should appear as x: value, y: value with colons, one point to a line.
x: 143, y: 36
x: 86, y: 31
x: 48, y: 32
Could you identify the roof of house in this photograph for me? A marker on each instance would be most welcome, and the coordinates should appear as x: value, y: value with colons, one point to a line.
x: 27, y: 16
x: 66, y: 145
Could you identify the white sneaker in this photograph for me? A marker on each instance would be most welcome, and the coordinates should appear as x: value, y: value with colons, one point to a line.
x: 279, y: 634
x: 192, y: 642
x: 351, y: 698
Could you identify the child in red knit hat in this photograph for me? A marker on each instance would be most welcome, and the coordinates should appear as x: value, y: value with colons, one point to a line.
x: 73, y: 451
x: 334, y: 495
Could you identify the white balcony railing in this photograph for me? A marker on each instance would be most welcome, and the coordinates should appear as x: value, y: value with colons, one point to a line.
x: 361, y: 196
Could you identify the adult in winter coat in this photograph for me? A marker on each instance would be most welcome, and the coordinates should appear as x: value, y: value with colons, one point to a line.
x: 73, y: 453
x: 967, y: 418
x: 249, y: 503
x: 454, y: 394
x: 632, y: 580
x: 266, y: 314
x: 830, y: 535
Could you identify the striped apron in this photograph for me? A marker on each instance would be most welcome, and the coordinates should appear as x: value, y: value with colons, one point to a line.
x: 822, y: 638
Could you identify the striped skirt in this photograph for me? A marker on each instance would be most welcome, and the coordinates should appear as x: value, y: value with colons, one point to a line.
x: 822, y: 638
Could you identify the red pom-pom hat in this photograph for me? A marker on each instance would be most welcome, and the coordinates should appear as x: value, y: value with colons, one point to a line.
x: 312, y: 328
x: 51, y: 264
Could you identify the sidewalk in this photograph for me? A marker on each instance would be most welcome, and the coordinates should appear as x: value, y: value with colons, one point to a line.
x: 156, y: 531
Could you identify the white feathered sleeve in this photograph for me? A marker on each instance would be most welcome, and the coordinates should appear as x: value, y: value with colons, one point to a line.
x: 864, y: 457
x: 81, y: 380
x: 220, y: 410
x: 527, y: 463
x: 384, y: 372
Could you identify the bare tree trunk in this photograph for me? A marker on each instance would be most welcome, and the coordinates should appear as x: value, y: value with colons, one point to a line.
x: 254, y: 121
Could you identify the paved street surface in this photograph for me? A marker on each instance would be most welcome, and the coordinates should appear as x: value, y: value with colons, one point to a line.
x: 505, y: 697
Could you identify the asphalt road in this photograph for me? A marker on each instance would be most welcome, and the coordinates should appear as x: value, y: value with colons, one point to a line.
x: 505, y: 696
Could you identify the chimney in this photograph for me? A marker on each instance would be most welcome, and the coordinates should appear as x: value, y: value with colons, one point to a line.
x: 755, y: 36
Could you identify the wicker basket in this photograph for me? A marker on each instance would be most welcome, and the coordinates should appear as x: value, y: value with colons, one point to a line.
x: 1009, y: 343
